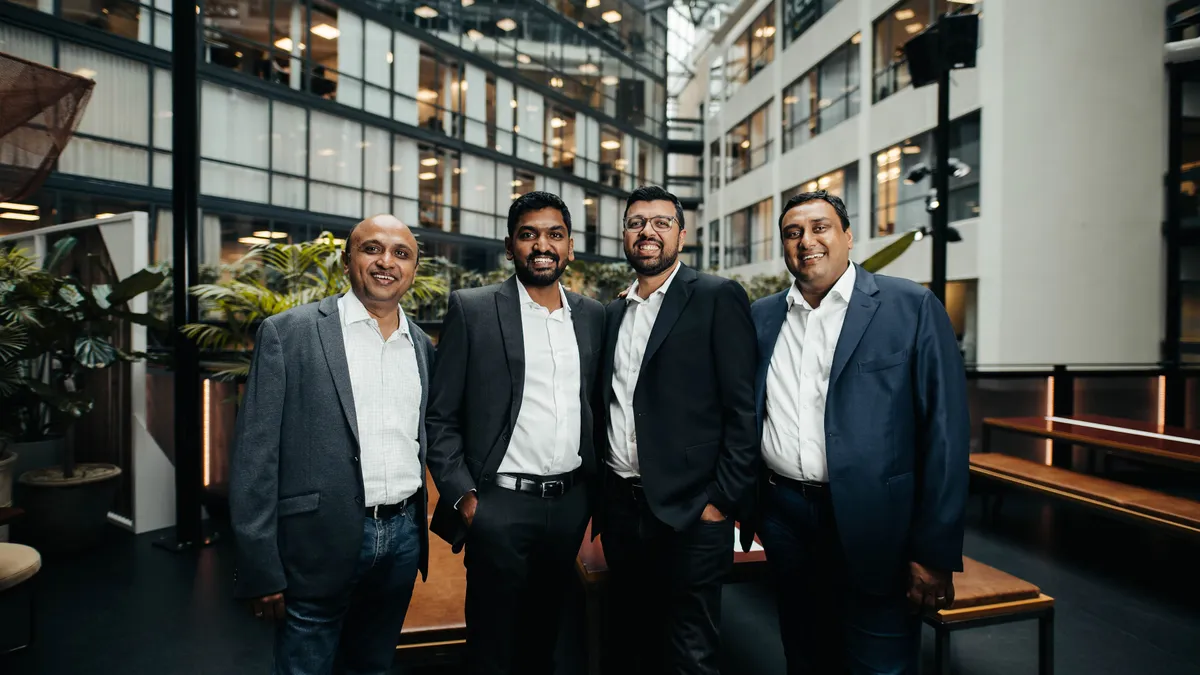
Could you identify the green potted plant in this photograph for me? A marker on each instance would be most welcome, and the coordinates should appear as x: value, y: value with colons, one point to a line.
x: 53, y: 330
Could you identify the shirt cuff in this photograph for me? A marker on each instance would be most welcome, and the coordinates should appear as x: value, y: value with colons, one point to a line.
x: 461, y: 498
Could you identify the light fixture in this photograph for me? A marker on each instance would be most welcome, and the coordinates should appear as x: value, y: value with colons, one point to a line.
x: 913, y: 28
x: 919, y: 235
x: 339, y: 242
x: 911, y: 149
x: 524, y: 58
x: 556, y: 82
x: 856, y: 39
x: 475, y: 35
x: 610, y: 145
x: 516, y: 183
x: 917, y: 173
x: 426, y: 12
x: 269, y: 234
x: 611, y: 16
x: 326, y: 152
x: 824, y: 181
x: 285, y: 43
x: 19, y: 216
x: 426, y: 95
x: 390, y: 58
x: 462, y: 85
x: 588, y: 68
x: 593, y: 3
x: 513, y: 103
x: 253, y: 241
x: 893, y: 154
x: 428, y: 175
x: 429, y: 161
x: 905, y: 14
x: 824, y: 103
x: 558, y: 122
x: 791, y: 100
x: 610, y: 80
x: 746, y: 143
x: 506, y: 24
x: 467, y: 3
x: 812, y: 186
x: 86, y: 72
x: 238, y: 54
x: 457, y: 170
x: 588, y: 201
x: 881, y: 159
x: 881, y: 177
x: 326, y: 31
x: 18, y: 207
x: 556, y: 142
x: 515, y: 195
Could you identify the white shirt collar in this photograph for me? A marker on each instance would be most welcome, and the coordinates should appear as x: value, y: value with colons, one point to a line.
x: 353, y: 311
x: 632, y: 295
x: 842, y: 289
x: 527, y: 301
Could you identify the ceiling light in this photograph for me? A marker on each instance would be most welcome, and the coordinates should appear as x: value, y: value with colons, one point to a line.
x: 326, y: 31
x: 556, y: 82
x: 610, y: 80
x: 588, y: 201
x: 269, y: 234
x: 426, y: 95
x: 593, y: 3
x: 746, y: 144
x: 513, y: 102
x: 19, y: 216
x: 429, y: 161
x: 467, y: 3
x: 238, y: 54
x: 462, y: 85
x: 769, y: 31
x: 390, y: 57
x: 610, y: 145
x: 856, y: 39
x: 326, y: 152
x: 86, y: 72
x: 515, y: 195
x: 428, y: 175
x: 524, y: 58
x: 475, y: 35
x: 881, y: 159
x: 611, y: 16
x: 823, y: 182
x: 905, y: 14
x: 893, y: 154
x: 558, y: 123
x: 911, y: 150
x: 516, y: 183
x: 812, y: 186
x: 253, y: 241
x: 339, y: 242
x: 425, y: 12
x: 588, y: 68
x: 791, y: 100
x: 506, y: 24
x: 913, y: 28
x: 102, y: 216
x: 285, y: 43
x: 18, y: 207
x: 556, y: 142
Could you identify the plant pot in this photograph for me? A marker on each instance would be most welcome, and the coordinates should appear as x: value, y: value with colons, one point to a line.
x: 38, y: 454
x: 8, y: 461
x: 67, y: 515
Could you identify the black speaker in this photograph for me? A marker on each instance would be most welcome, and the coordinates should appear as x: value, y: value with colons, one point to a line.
x: 922, y: 54
x: 960, y: 38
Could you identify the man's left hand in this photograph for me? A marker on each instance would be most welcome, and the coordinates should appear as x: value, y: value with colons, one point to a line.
x: 712, y: 514
x: 929, y: 589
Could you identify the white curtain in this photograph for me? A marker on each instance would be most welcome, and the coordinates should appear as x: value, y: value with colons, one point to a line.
x: 337, y: 200
x: 349, y: 58
x: 572, y: 194
x: 107, y: 161
x: 377, y: 159
x: 233, y: 182
x: 163, y: 117
x: 505, y: 175
x: 406, y: 75
x: 27, y: 44
x: 287, y: 191
x: 163, y: 170
x: 477, y: 194
x: 233, y: 126
x: 610, y: 226
x: 531, y: 121
x: 289, y: 153
x: 629, y: 154
x: 336, y: 150
x: 210, y: 239
x: 406, y: 186
x: 505, y: 113
x: 117, y: 109
x: 475, y: 95
x: 377, y: 68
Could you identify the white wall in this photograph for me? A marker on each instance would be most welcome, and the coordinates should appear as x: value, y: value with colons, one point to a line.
x: 1073, y: 158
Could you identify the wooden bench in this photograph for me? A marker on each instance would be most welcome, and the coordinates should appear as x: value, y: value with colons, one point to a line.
x: 1132, y: 439
x: 985, y: 596
x: 1137, y: 504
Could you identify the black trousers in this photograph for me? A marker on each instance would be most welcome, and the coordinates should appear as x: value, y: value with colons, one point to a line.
x: 663, y: 613
x: 520, y: 556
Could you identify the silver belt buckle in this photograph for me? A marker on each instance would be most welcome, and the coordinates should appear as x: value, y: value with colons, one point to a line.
x: 552, y: 483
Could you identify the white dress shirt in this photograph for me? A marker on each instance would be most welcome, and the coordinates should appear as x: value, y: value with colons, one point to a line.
x: 387, y: 403
x: 632, y: 337
x: 545, y: 440
x: 798, y: 382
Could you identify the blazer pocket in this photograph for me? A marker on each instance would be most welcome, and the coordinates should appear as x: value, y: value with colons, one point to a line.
x: 883, y: 362
x: 900, y: 488
x: 306, y: 503
x: 702, y: 454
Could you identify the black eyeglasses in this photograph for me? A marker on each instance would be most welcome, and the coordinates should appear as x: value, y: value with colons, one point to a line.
x: 660, y: 223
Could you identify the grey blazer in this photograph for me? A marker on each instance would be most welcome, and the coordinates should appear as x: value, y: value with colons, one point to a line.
x: 477, y: 389
x: 296, y: 488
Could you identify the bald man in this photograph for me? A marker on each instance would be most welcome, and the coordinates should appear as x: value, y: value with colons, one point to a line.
x: 327, y: 489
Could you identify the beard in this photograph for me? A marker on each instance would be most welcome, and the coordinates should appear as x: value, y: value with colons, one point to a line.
x: 649, y: 267
x: 531, y: 277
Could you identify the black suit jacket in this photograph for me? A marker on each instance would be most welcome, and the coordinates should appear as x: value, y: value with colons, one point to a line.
x: 476, y: 392
x: 697, y: 436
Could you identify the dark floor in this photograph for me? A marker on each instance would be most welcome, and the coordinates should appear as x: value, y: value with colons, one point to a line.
x: 1128, y: 603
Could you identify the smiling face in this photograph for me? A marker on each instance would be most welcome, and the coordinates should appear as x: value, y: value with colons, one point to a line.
x: 815, y: 247
x: 652, y: 250
x: 540, y: 247
x: 381, y: 261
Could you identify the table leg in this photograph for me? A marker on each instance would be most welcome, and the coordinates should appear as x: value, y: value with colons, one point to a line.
x: 1046, y: 643
x: 592, y: 628
x: 941, y: 651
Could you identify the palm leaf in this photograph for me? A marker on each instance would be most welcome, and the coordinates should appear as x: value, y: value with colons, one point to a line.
x: 62, y: 249
x: 12, y: 340
x: 884, y: 256
x: 208, y: 336
x: 142, y: 281
x: 94, y: 352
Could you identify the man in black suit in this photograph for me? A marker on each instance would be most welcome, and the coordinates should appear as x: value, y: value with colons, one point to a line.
x: 510, y: 427
x: 680, y: 446
x: 327, y: 488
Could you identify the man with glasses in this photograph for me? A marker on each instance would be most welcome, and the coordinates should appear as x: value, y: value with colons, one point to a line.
x: 681, y: 446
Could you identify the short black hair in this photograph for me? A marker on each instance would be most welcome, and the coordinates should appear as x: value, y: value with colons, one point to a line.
x: 536, y: 201
x: 654, y: 193
x: 835, y: 201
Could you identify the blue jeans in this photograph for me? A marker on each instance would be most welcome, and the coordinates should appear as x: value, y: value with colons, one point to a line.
x: 355, y: 633
x: 827, y: 624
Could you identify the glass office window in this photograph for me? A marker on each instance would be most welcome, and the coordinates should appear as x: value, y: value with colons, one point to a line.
x: 823, y: 97
x: 800, y: 15
x: 752, y: 236
x: 895, y: 28
x: 748, y: 143
x: 841, y: 183
x: 26, y: 44
x: 752, y: 51
x: 561, y: 138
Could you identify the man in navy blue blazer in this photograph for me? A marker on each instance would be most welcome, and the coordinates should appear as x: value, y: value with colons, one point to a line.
x: 863, y: 412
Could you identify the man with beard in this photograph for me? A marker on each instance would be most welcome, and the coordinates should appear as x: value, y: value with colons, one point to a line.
x: 866, y: 430
x: 680, y: 448
x: 511, y: 450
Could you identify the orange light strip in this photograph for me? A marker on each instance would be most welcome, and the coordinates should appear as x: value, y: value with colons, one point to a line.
x: 205, y: 432
x: 1048, y: 460
x: 1162, y: 403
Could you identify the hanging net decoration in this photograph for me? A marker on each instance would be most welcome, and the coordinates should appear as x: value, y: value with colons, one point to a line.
x: 40, y: 107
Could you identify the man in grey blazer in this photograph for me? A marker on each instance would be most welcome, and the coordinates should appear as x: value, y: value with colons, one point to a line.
x: 510, y: 440
x: 327, y: 490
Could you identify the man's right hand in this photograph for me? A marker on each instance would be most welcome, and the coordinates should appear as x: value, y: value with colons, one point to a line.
x: 466, y: 507
x: 269, y: 607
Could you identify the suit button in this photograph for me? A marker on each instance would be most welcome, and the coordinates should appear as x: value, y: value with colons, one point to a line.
x: 487, y: 476
x: 356, y: 459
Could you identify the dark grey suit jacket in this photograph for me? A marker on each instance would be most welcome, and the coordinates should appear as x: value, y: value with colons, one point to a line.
x: 296, y: 487
x: 477, y: 388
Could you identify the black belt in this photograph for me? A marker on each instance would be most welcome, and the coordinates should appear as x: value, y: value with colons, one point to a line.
x: 628, y: 488
x: 385, y: 511
x: 810, y: 489
x: 543, y: 486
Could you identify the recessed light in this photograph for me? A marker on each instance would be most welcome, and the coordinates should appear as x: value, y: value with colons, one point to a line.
x: 475, y: 35
x: 516, y: 195
x: 588, y: 201
x: 611, y: 16
x: 905, y: 14
x: 558, y: 122
x: 253, y: 241
x: 588, y: 68
x: 524, y: 58
x: 17, y: 207
x: 506, y: 24
x: 326, y: 31
x: 269, y: 234
x: 19, y: 216
x: 102, y: 216
x: 913, y: 28
x: 610, y: 145
x: 425, y: 12
x: 467, y: 3
x: 912, y: 150
x: 516, y: 183
x: 428, y: 175
x: 593, y: 3
x: 556, y: 82
x: 429, y: 161
x: 285, y: 43
x: 426, y: 95
x: 610, y: 80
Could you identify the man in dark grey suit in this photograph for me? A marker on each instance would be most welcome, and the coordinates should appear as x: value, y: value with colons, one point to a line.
x: 510, y: 440
x: 327, y: 491
x: 861, y: 396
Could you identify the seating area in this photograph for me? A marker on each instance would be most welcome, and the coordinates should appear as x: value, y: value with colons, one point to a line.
x: 19, y: 564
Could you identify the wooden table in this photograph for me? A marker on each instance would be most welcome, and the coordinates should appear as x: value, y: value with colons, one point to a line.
x: 1144, y: 441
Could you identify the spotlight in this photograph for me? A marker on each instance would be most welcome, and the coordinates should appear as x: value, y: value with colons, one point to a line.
x: 958, y: 169
x: 917, y: 173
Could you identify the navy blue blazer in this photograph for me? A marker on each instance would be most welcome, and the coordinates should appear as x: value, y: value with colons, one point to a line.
x: 897, y: 428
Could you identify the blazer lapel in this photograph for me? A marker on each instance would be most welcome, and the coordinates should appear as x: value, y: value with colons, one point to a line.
x: 615, y: 312
x: 582, y: 337
x: 422, y: 350
x: 672, y: 308
x: 329, y: 328
x: 858, y: 316
x: 768, y: 334
x: 508, y: 309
